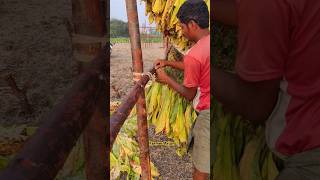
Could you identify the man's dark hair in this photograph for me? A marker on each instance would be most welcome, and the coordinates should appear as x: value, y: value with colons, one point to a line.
x: 195, y: 10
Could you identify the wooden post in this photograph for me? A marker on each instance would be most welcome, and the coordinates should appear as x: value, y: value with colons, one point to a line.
x: 89, y: 21
x: 89, y: 30
x: 120, y: 115
x: 137, y: 62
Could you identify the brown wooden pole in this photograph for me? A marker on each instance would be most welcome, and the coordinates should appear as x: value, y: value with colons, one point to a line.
x: 95, y: 136
x: 89, y: 28
x: 133, y: 25
x: 89, y: 21
x: 120, y: 115
x: 45, y: 152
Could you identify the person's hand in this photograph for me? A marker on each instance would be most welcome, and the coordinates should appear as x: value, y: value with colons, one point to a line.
x: 162, y: 76
x: 159, y: 63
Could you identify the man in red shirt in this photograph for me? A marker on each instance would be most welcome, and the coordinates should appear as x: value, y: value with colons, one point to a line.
x: 278, y: 77
x: 194, y: 20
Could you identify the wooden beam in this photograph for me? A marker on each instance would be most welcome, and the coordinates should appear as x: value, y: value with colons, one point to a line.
x: 89, y: 25
x: 133, y: 24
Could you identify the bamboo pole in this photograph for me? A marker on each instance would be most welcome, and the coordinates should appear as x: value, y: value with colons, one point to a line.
x: 89, y: 21
x: 133, y: 24
x: 120, y: 115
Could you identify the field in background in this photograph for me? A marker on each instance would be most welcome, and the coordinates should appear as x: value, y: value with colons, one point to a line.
x: 143, y: 40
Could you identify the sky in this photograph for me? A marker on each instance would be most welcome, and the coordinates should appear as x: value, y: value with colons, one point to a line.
x: 118, y: 11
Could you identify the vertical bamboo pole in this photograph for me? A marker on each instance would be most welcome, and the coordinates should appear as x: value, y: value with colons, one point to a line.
x: 89, y: 28
x: 136, y: 52
x: 89, y: 21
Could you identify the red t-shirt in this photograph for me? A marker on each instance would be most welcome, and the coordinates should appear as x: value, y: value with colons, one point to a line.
x: 197, y: 71
x: 281, y: 39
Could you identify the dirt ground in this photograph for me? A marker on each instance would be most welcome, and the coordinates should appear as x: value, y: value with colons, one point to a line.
x: 35, y: 48
x: 121, y: 67
x: 169, y: 164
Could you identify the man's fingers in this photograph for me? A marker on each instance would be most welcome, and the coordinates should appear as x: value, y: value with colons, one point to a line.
x: 157, y: 65
x: 159, y: 69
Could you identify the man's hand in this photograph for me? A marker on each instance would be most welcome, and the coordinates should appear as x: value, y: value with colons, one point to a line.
x: 159, y: 63
x: 162, y: 77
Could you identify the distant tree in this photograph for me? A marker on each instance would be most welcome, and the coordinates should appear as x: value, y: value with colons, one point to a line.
x: 118, y: 28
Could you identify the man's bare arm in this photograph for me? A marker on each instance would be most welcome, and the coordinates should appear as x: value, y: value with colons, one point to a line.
x: 176, y: 64
x: 254, y: 100
x: 188, y: 93
x: 163, y: 63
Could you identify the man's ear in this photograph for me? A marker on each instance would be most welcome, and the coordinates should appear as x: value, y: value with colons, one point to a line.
x: 193, y: 24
